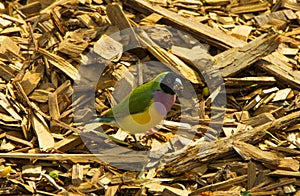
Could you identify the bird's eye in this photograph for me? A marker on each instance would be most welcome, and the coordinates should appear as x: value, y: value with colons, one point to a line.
x: 169, y: 80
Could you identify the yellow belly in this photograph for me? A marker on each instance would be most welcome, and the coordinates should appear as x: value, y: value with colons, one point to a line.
x: 142, y: 122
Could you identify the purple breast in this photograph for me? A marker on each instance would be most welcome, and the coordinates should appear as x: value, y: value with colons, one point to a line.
x: 165, y: 99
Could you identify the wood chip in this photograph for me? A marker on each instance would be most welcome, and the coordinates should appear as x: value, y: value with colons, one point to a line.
x: 241, y: 32
x: 108, y: 48
x: 31, y: 171
x: 45, y: 139
x: 61, y: 64
x: 77, y: 174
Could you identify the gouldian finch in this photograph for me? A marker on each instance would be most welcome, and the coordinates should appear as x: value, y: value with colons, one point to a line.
x: 146, y: 105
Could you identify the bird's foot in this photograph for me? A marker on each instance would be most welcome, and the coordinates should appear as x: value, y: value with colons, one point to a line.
x: 142, y: 145
x: 150, y: 132
x: 160, y: 136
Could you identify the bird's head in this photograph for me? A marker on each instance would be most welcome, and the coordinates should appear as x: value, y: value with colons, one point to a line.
x: 171, y: 83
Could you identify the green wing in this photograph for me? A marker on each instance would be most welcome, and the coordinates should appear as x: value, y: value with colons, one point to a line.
x: 136, y: 102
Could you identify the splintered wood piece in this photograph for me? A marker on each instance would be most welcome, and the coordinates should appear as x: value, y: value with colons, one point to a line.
x: 25, y: 186
x: 248, y: 8
x: 8, y: 119
x: 221, y: 185
x: 56, y: 16
x: 32, y: 78
x: 207, y: 152
x: 129, y: 176
x: 39, y: 95
x: 151, y: 19
x: 270, y: 90
x: 106, y: 178
x: 158, y: 149
x: 68, y: 143
x: 8, y: 48
x: 25, y: 126
x: 64, y: 91
x: 251, y: 171
x: 108, y: 48
x: 241, y: 32
x: 31, y: 8
x: 282, y: 94
x: 118, y: 18
x: 289, y: 164
x: 173, y: 62
x: 87, y: 20
x: 52, y: 181
x: 126, y: 82
x: 11, y: 30
x: 290, y: 33
x: 6, y: 72
x: 217, y: 2
x: 4, y: 23
x: 280, y: 69
x: 53, y: 110
x: 289, y: 51
x: 248, y: 151
x: 77, y: 174
x: 259, y: 119
x: 235, y: 60
x: 286, y: 150
x: 252, y: 103
x: 285, y: 173
x: 6, y: 147
x: 289, y: 189
x: 19, y: 140
x: 11, y: 18
x: 197, y: 56
x: 73, y: 44
x: 278, y: 184
x: 276, y: 24
x: 199, y: 30
x: 4, y: 103
x: 61, y: 64
x: 31, y: 171
x: 226, y: 20
x: 262, y: 80
x: 111, y: 190
x: 229, y: 131
x: 52, y: 157
x: 290, y: 14
x: 293, y: 5
x: 121, y: 135
x: 187, y: 13
x: 155, y: 187
x: 243, y: 115
x: 45, y: 139
x: 265, y: 19
x: 175, y: 191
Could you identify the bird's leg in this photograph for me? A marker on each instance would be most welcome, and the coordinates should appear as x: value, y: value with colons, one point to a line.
x: 134, y: 137
x: 138, y: 145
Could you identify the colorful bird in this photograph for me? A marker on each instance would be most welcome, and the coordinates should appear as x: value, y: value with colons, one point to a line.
x: 146, y: 105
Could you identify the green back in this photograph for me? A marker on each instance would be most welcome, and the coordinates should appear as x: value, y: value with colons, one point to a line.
x: 138, y: 100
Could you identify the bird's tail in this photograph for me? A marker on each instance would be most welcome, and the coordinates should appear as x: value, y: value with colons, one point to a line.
x: 97, y: 122
x: 103, y: 120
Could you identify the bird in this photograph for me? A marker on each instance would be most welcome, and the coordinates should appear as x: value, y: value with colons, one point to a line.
x: 145, y: 106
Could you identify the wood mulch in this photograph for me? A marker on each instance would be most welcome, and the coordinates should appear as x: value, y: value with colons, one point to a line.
x: 233, y: 131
